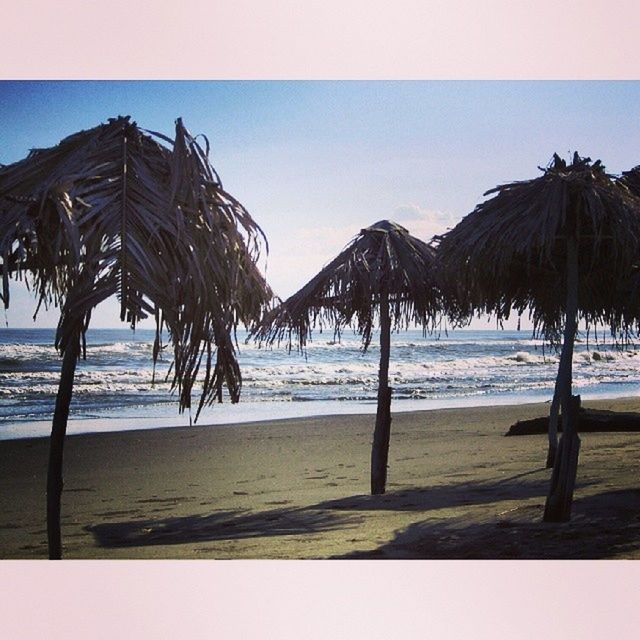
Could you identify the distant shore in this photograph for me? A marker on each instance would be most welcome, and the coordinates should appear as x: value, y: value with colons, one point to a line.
x: 298, y: 488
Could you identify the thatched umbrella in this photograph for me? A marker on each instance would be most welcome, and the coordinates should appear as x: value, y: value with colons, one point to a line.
x: 384, y: 274
x: 115, y: 211
x: 558, y: 247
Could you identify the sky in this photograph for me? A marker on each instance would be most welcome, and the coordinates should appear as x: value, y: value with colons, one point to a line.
x: 315, y: 161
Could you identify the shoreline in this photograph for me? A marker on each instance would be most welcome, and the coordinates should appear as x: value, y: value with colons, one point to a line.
x: 259, y: 412
x: 298, y: 488
x: 112, y: 390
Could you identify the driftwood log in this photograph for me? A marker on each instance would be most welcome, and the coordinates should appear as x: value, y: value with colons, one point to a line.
x: 591, y: 420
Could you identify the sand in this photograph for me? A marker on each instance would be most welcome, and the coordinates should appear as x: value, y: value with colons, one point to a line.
x: 457, y: 488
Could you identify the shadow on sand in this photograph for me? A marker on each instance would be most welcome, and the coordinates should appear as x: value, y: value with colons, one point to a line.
x: 604, y: 525
x: 518, y: 487
x: 318, y: 518
x: 224, y: 525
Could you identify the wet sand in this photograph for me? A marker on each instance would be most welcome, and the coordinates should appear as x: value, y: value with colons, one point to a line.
x: 457, y: 488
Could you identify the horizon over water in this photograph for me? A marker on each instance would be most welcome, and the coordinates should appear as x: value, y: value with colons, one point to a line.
x: 113, y: 390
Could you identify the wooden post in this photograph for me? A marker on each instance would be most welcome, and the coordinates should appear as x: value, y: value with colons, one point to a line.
x: 382, y: 433
x: 553, y: 426
x: 558, y: 506
x: 563, y: 479
x: 56, y: 446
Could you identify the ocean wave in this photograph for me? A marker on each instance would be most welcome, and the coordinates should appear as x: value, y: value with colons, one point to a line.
x: 118, y: 371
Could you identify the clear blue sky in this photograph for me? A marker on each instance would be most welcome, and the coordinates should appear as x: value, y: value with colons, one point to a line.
x: 314, y: 162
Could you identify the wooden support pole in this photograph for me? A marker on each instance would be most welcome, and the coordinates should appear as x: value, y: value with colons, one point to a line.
x: 558, y: 506
x: 563, y: 479
x: 382, y: 433
x: 553, y: 426
x: 56, y: 446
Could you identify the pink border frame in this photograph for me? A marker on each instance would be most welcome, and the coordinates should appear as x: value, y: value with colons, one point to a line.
x: 278, y: 39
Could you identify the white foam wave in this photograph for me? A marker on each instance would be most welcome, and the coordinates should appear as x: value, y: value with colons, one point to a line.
x: 119, y: 373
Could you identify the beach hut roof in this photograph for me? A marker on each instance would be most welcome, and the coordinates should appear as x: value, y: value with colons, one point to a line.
x: 510, y: 252
x: 119, y: 210
x: 382, y: 258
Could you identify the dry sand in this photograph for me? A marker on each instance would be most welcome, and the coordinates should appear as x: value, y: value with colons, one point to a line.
x: 457, y: 488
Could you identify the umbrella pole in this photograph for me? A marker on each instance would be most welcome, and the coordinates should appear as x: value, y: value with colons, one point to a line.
x: 563, y: 479
x: 553, y: 426
x: 56, y: 445
x: 382, y: 433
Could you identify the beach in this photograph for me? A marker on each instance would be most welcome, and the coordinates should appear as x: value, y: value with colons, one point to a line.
x: 299, y: 488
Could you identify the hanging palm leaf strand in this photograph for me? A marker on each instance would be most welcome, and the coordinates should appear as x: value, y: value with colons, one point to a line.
x: 628, y: 292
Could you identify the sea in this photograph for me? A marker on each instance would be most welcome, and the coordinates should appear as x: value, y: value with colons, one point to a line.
x: 114, y: 388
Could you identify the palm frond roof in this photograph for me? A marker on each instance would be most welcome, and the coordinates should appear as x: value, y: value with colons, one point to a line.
x: 119, y: 210
x: 510, y: 252
x: 382, y: 259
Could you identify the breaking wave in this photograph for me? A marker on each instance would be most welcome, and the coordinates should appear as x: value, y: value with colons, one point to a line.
x: 117, y: 373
